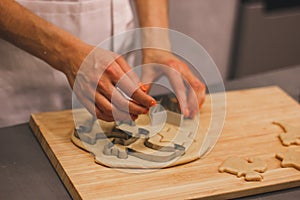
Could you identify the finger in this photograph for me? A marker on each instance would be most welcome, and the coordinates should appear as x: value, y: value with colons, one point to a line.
x: 110, y: 110
x: 90, y: 106
x: 144, y: 87
x: 127, y: 69
x: 135, y: 92
x: 180, y: 90
x: 121, y: 80
x: 147, y: 81
x: 196, y: 96
x: 149, y: 75
x: 199, y: 89
x: 147, y: 87
x: 193, y: 103
x: 130, y: 72
x: 87, y: 98
x: 103, y: 116
x: 99, y: 106
x: 143, y: 98
x: 195, y: 83
x: 117, y: 99
x: 103, y: 109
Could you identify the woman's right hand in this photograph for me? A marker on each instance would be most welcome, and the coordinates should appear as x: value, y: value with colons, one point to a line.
x: 95, y: 74
x: 95, y: 81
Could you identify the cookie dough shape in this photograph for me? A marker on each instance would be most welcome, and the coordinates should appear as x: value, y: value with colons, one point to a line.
x: 251, y: 168
x: 290, y: 135
x: 137, y: 145
x: 290, y: 158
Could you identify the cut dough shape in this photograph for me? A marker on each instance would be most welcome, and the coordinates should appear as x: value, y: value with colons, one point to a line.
x: 129, y: 145
x: 290, y: 158
x: 290, y: 135
x: 248, y: 168
x: 116, y: 150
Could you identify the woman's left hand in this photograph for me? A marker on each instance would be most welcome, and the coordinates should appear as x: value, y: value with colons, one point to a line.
x: 190, y: 98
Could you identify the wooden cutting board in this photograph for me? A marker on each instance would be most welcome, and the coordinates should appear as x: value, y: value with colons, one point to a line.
x: 248, y: 131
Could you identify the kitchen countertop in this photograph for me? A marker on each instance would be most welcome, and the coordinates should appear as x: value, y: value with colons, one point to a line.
x: 26, y: 172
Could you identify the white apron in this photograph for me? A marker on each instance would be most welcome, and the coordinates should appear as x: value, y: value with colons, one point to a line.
x: 29, y: 85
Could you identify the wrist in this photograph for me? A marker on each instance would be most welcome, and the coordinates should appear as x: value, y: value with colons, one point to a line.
x: 68, y: 55
x: 155, y: 38
x: 152, y: 53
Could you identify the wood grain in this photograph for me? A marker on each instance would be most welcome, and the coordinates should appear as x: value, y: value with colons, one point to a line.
x: 247, y: 132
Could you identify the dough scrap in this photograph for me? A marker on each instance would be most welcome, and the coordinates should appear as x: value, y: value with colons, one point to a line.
x: 250, y: 168
x: 290, y: 158
x: 290, y: 135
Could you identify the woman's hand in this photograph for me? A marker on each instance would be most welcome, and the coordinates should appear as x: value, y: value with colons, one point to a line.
x: 191, y: 97
x: 97, y: 78
x: 100, y: 74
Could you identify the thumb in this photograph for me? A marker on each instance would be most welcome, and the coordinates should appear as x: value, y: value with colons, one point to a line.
x: 149, y: 75
x: 146, y: 83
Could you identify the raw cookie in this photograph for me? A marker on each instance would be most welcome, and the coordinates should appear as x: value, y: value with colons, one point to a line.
x: 290, y: 158
x: 290, y: 135
x: 241, y: 167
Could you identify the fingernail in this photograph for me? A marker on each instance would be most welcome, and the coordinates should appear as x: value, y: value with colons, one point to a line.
x: 186, y: 112
x: 153, y: 102
x: 143, y: 87
x: 200, y: 106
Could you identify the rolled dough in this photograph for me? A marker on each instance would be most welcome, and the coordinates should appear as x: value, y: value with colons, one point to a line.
x: 139, y: 145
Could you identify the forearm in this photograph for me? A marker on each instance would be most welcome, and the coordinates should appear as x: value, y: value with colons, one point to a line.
x: 31, y: 33
x: 154, y: 13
